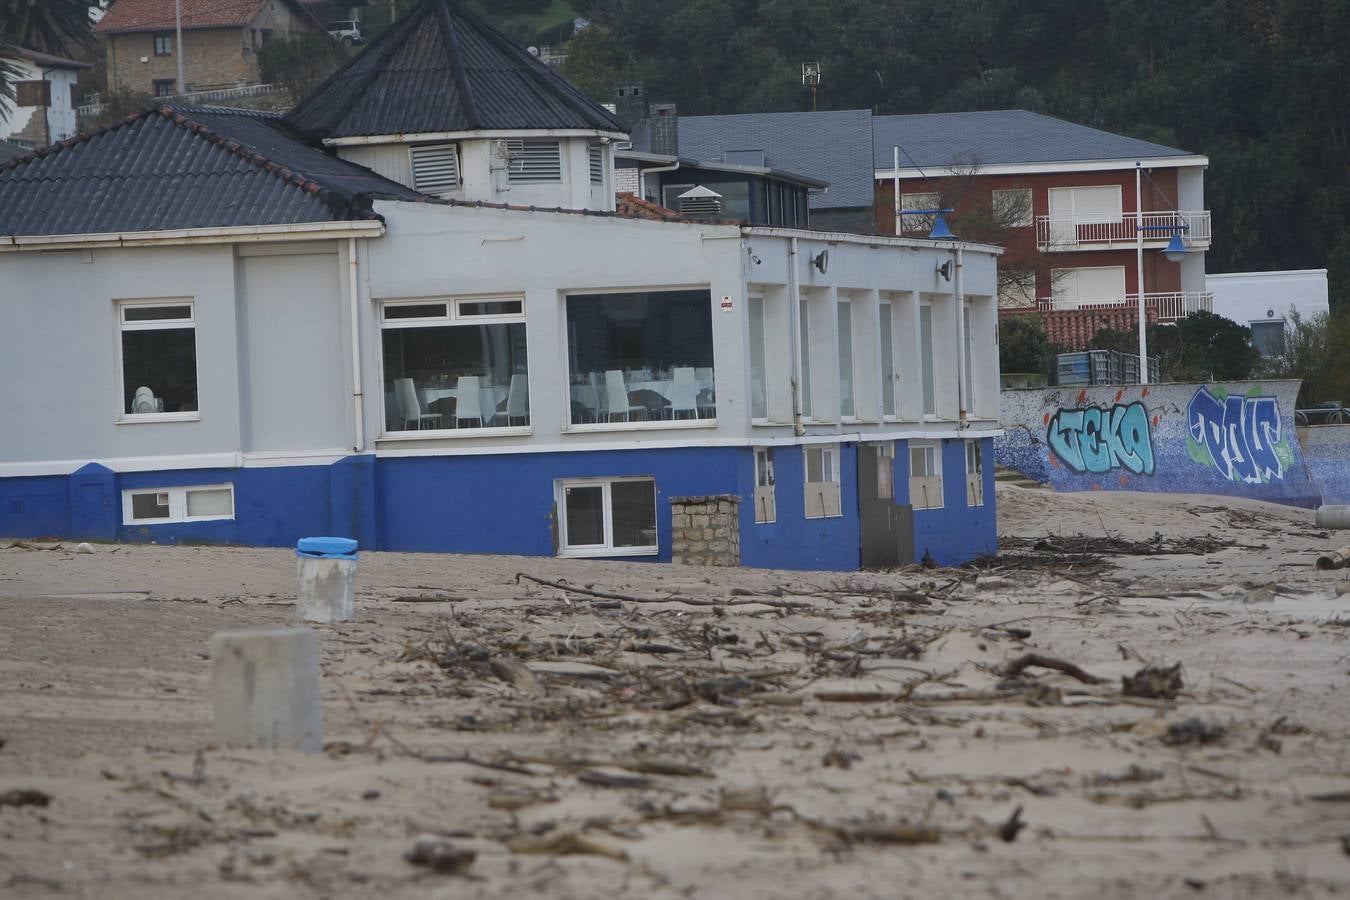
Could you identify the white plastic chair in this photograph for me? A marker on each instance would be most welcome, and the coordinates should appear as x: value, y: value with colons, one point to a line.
x: 707, y: 408
x: 616, y: 393
x: 684, y: 393
x: 410, y: 408
x: 517, y: 401
x: 469, y: 400
x: 144, y: 401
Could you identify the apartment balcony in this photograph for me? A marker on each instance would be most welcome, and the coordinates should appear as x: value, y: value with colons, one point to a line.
x: 1163, y: 308
x: 1059, y: 234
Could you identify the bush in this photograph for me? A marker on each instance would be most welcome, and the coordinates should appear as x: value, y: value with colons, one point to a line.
x: 1316, y: 350
x: 1023, y: 345
x: 1200, y: 347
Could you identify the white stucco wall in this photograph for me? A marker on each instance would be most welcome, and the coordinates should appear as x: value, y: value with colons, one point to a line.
x: 1247, y: 297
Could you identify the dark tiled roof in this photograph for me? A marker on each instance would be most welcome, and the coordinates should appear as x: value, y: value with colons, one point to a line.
x: 835, y: 147
x: 631, y: 206
x: 170, y: 168
x: 158, y: 15
x: 441, y: 68
x: 1000, y: 137
x: 10, y: 151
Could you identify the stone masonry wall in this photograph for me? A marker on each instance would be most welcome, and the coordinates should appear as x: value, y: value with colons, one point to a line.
x: 214, y: 57
x: 705, y: 531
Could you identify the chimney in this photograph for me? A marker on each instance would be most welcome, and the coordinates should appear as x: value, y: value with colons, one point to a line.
x: 630, y: 102
x: 665, y: 127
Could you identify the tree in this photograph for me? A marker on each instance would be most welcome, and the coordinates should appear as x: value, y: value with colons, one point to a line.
x: 59, y: 27
x: 1200, y: 347
x: 1317, y: 350
x: 1023, y: 345
x: 9, y: 73
x: 300, y: 63
x: 594, y: 61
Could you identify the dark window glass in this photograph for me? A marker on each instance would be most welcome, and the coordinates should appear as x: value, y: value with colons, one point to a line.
x: 641, y: 357
x: 159, y: 370
x: 634, y: 513
x: 455, y: 376
x: 165, y: 87
x: 1268, y: 338
x: 149, y: 506
x: 163, y: 45
x: 585, y: 516
x: 490, y: 308
x: 420, y: 311
x: 155, y: 313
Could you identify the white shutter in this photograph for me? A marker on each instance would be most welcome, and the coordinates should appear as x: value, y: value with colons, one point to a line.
x: 435, y: 168
x: 534, y: 162
x: 1097, y: 204
x: 597, y: 157
x: 1086, y: 286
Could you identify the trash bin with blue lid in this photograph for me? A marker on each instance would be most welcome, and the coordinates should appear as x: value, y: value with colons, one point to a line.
x: 327, y: 572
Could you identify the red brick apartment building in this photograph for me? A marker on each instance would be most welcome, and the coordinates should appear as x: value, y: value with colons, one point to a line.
x: 1062, y: 199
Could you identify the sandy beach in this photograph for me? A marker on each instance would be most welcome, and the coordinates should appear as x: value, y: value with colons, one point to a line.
x: 706, y: 732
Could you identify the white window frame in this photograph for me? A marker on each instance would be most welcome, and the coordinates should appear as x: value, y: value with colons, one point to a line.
x: 607, y: 548
x: 974, y: 473
x: 766, y: 500
x: 825, y: 502
x: 452, y: 314
x: 925, y: 491
x: 1005, y: 197
x: 177, y: 503
x: 124, y: 417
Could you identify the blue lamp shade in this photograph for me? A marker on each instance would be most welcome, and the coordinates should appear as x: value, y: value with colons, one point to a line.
x: 1176, y: 248
x: 940, y: 230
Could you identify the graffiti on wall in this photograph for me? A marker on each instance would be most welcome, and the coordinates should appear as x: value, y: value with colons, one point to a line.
x: 1096, y: 440
x: 1239, y: 436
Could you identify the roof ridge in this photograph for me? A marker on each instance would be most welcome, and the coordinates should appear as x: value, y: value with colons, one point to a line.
x: 451, y: 38
x: 79, y: 138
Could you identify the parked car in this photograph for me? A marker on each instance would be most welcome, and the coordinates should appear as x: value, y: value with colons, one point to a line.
x: 348, y: 31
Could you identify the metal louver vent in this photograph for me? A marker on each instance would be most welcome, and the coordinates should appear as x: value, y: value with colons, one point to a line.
x: 435, y: 169
x: 701, y: 203
x: 534, y: 162
x: 597, y: 155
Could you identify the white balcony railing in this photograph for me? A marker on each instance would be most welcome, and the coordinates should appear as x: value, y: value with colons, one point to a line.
x: 96, y: 104
x: 1060, y: 233
x: 1166, y: 307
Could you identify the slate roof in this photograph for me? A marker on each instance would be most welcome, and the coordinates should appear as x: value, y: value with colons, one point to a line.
x: 834, y: 147
x: 127, y: 16
x: 177, y: 167
x: 1000, y: 137
x: 441, y: 68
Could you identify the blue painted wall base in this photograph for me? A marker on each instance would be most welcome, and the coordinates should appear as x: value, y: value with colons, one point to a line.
x: 500, y: 504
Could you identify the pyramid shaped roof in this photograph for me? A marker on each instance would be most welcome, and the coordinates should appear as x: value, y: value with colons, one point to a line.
x: 443, y: 69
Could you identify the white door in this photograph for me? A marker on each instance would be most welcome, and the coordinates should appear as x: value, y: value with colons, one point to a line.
x: 1075, y: 288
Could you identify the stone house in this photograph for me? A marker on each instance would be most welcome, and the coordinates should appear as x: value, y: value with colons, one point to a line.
x: 221, y: 40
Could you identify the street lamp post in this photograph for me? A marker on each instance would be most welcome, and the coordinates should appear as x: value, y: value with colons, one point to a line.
x: 1139, y: 260
x: 178, y: 31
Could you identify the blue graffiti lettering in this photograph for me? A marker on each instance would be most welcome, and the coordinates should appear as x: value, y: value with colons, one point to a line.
x: 1098, y: 440
x: 1240, y: 433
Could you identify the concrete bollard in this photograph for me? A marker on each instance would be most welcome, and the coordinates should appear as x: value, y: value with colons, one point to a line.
x: 1333, y: 517
x: 265, y: 688
x: 326, y: 568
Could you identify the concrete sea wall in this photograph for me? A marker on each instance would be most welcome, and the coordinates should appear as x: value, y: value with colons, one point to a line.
x: 1229, y: 438
x: 1327, y: 450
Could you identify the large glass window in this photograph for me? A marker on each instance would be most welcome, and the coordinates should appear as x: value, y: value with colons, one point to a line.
x: 455, y: 364
x: 926, y: 358
x: 887, y: 361
x: 759, y: 401
x: 641, y: 357
x: 159, y: 358
x: 846, y: 404
x: 614, y: 517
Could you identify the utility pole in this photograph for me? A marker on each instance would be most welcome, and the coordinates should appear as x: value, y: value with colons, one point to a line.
x: 178, y: 31
x: 393, y: 12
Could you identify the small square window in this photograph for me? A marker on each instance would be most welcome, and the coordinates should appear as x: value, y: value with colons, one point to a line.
x: 1268, y: 337
x: 165, y: 87
x: 925, y: 475
x: 822, y: 482
x: 164, y: 45
x: 974, y: 474
x: 766, y: 505
x: 609, y: 517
